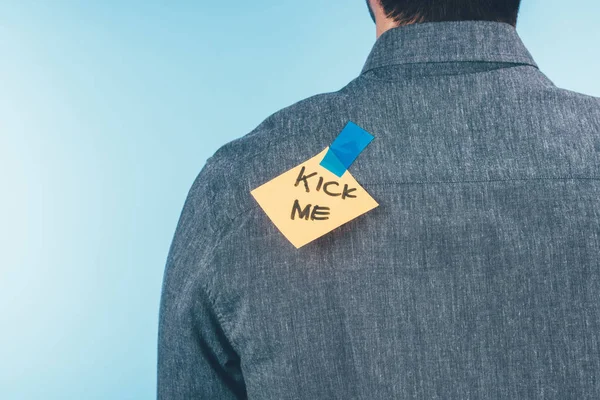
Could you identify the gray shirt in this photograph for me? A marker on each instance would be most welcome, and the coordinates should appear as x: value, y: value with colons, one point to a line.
x: 477, y: 277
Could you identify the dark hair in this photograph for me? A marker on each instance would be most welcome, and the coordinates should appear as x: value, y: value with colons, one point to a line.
x: 416, y: 11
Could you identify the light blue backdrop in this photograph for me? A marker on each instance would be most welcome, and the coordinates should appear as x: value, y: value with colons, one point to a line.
x: 108, y: 110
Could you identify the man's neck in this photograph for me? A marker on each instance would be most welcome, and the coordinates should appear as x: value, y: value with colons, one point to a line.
x: 385, y: 25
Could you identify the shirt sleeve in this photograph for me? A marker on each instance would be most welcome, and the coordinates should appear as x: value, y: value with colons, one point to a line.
x: 196, y: 359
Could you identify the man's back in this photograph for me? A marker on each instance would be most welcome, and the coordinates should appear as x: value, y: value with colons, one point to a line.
x: 478, y: 276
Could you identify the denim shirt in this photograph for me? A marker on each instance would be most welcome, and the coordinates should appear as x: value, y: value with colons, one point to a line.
x: 477, y: 277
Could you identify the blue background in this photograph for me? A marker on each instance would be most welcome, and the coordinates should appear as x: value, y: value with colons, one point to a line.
x: 109, y: 109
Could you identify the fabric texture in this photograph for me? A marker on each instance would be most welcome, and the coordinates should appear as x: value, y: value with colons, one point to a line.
x: 477, y: 277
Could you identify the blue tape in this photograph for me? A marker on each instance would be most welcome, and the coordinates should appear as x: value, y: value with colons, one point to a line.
x: 333, y: 163
x: 346, y: 148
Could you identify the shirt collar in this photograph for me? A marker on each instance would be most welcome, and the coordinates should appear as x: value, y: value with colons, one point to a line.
x: 452, y: 41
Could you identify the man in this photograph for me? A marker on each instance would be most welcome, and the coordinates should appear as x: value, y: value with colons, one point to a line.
x: 476, y: 276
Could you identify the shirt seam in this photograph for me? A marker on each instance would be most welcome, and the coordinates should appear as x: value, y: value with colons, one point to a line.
x: 534, y: 178
x: 444, y: 75
x: 219, y: 314
x: 391, y: 183
x: 418, y: 60
x: 212, y: 295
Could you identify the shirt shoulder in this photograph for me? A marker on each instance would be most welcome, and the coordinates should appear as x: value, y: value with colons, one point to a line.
x: 581, y: 106
x: 280, y: 142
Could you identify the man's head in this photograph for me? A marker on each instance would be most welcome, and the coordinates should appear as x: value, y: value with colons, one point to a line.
x: 390, y: 13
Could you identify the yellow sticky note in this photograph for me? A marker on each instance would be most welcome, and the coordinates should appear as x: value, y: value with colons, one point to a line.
x: 309, y: 201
